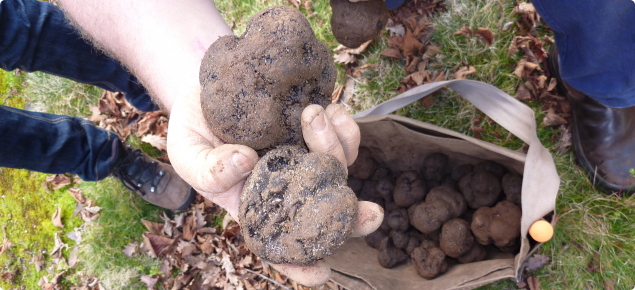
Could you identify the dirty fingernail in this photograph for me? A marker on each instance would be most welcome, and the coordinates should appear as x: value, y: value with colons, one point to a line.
x: 241, y: 162
x: 319, y: 122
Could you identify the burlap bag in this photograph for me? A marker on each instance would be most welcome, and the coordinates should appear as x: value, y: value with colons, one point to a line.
x: 401, y: 144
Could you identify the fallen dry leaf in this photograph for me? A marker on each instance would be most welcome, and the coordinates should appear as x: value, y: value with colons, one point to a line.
x: 157, y: 141
x: 156, y: 244
x: 536, y: 262
x: 179, y: 219
x: 522, y: 93
x: 185, y: 248
x: 335, y: 97
x: 130, y: 249
x: 307, y: 7
x: 344, y: 58
x: 58, y: 181
x: 39, y: 261
x: 486, y: 35
x: 96, y: 115
x: 528, y: 13
x: 59, y: 246
x: 564, y: 142
x: 200, y: 219
x: 463, y: 72
x: 464, y: 31
x: 551, y: 119
x: 295, y: 3
x: 57, y: 218
x: 395, y: 29
x: 391, y: 52
x: 72, y: 257
x: 149, y: 281
x: 359, y: 50
x: 77, y: 194
x: 6, y: 244
x: 533, y: 283
x: 153, y: 228
x: 189, y: 228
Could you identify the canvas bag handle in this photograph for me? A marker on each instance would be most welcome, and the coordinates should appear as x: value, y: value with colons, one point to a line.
x: 540, y: 178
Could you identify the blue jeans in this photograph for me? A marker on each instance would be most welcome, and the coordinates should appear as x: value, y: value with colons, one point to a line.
x: 35, y: 36
x: 596, y: 46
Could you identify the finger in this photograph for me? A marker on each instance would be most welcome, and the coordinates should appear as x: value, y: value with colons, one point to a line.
x: 319, y: 134
x: 369, y: 218
x: 346, y: 129
x: 313, y: 275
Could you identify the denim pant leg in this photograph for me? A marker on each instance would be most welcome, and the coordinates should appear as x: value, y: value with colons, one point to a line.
x: 35, y: 36
x: 55, y: 144
x: 596, y: 46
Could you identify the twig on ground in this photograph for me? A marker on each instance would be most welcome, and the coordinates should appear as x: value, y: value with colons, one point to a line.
x: 268, y: 279
x: 132, y: 202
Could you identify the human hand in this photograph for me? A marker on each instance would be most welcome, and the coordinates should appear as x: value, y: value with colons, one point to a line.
x: 218, y: 171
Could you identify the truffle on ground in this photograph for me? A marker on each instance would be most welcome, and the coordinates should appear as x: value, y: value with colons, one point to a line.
x: 364, y: 166
x: 429, y: 263
x: 354, y: 23
x: 409, y: 189
x: 456, y: 239
x: 512, y: 184
x: 434, y: 167
x: 480, y: 189
x: 389, y: 255
x: 295, y: 206
x: 499, y: 225
x: 255, y: 87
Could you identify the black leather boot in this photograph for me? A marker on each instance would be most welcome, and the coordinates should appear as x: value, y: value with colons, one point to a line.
x: 154, y: 181
x: 603, y: 137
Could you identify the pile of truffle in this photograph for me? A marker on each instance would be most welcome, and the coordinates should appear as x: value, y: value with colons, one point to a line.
x: 438, y: 215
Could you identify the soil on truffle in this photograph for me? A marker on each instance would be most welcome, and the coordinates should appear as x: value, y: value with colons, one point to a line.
x: 255, y: 87
x: 409, y: 189
x: 512, y: 184
x: 355, y: 23
x: 295, y: 206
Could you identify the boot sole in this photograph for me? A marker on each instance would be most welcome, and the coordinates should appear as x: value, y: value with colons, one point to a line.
x: 580, y: 159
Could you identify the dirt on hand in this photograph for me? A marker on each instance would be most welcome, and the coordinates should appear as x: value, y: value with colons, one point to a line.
x: 295, y: 206
x: 255, y: 87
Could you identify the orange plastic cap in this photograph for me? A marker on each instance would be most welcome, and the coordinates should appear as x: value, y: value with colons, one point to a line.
x: 541, y: 231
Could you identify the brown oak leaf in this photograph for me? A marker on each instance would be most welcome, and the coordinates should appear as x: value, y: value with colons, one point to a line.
x: 57, y: 218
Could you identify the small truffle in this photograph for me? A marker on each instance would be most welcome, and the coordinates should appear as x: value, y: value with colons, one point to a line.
x: 374, y: 239
x: 480, y: 189
x: 384, y: 223
x: 475, y: 254
x: 389, y: 255
x: 399, y: 238
x: 456, y: 239
x: 461, y: 170
x: 499, y: 225
x: 368, y: 191
x: 295, y: 206
x: 354, y: 23
x: 398, y: 220
x: 390, y: 205
x: 385, y: 187
x: 380, y: 173
x: 429, y: 217
x: 409, y: 189
x: 491, y: 167
x: 434, y: 167
x: 449, y: 182
x: 364, y: 166
x: 454, y: 201
x: 412, y: 244
x: 429, y: 263
x: 512, y: 184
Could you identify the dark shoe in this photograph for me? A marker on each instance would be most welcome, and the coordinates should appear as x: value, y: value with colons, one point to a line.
x: 155, y: 181
x: 603, y: 137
